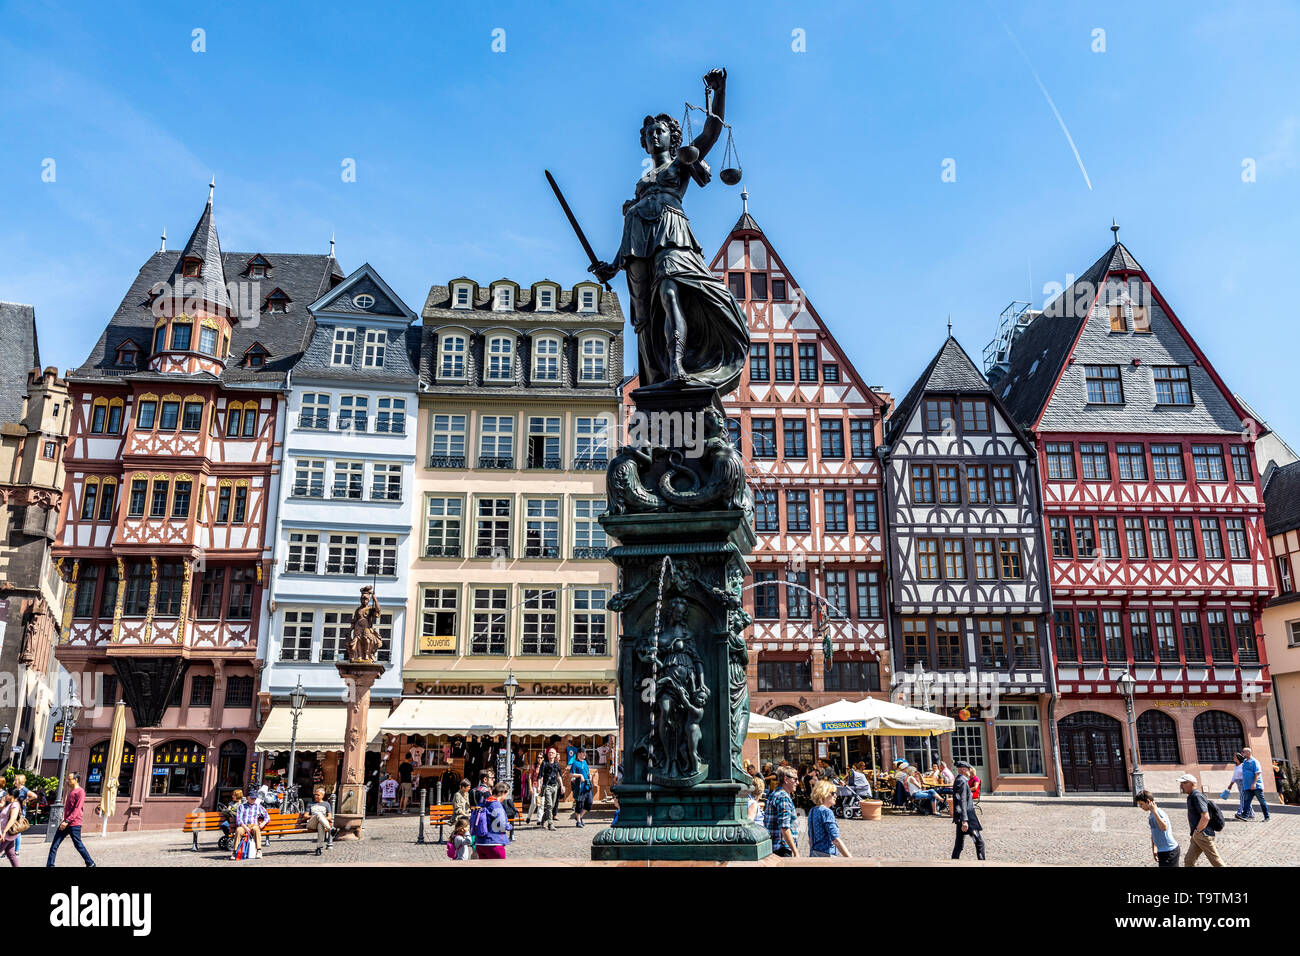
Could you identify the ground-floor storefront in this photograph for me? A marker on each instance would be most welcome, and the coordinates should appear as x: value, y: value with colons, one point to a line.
x: 315, y: 746
x: 1175, y: 735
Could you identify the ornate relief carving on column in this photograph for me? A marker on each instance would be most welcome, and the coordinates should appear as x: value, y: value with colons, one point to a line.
x: 153, y: 599
x: 117, y: 604
x: 69, y: 599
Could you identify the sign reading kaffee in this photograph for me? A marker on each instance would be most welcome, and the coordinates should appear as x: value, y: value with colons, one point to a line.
x: 527, y: 688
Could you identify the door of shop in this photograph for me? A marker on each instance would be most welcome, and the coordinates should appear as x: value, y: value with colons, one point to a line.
x: 968, y: 745
x: 1092, y: 753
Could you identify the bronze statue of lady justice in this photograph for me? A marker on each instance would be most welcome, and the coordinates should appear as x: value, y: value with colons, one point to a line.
x: 690, y: 329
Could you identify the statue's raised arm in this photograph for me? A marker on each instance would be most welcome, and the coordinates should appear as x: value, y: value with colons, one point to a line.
x: 716, y: 82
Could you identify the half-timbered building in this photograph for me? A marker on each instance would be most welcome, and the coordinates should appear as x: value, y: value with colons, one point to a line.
x: 344, y: 520
x: 164, y: 534
x: 968, y: 585
x: 1153, y: 519
x: 808, y: 426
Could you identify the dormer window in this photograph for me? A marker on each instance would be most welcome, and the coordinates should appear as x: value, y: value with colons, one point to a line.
x: 451, y: 356
x: 193, y: 268
x: 127, y: 355
x: 345, y: 341
x: 587, y: 300
x: 460, y: 297
x: 255, y: 357
x: 503, y: 298
x: 594, y: 350
x: 258, y: 267
x: 546, y: 359
x: 546, y: 299
x: 277, y: 301
x: 500, y: 359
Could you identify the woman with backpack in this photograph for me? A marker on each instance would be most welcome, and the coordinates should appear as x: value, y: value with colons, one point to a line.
x: 490, y: 827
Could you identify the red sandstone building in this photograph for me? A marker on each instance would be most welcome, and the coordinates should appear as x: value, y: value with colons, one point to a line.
x: 1154, y: 529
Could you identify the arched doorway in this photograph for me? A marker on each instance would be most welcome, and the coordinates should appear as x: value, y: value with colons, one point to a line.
x: 1092, y: 753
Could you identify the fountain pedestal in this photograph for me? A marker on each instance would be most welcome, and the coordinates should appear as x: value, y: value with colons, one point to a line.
x: 683, y: 519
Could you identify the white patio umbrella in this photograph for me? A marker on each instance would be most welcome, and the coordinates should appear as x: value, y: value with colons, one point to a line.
x: 767, y: 728
x: 870, y: 716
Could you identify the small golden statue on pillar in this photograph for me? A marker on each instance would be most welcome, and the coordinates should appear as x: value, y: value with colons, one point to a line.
x: 365, y: 640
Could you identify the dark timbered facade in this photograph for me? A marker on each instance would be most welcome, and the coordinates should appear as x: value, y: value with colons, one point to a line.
x: 1153, y: 519
x: 968, y: 588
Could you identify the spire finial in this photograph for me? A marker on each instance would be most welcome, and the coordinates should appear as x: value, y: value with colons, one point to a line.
x: 950, y: 325
x: 163, y: 247
x: 331, y: 243
x: 1114, y: 228
x: 744, y: 201
x: 212, y: 184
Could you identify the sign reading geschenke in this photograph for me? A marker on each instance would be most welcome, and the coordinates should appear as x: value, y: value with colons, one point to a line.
x: 527, y: 688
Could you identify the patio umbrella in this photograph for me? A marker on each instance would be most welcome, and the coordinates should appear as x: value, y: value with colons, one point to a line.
x: 767, y: 728
x: 113, y: 764
x: 873, y: 717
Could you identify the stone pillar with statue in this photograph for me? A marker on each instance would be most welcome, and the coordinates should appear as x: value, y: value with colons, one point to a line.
x: 359, y: 674
x: 682, y: 515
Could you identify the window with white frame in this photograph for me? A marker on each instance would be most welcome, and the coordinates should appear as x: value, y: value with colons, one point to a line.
x: 353, y: 410
x: 390, y: 416
x: 309, y: 478
x: 589, y: 539
x: 447, y: 441
x: 443, y: 517
x: 345, y: 341
x: 500, y: 359
x: 381, y: 555
x: 461, y: 298
x: 304, y: 552
x: 335, y: 634
x: 540, y: 630
x: 438, y: 621
x: 386, y: 482
x: 546, y: 359
x: 452, y: 349
x: 503, y: 298
x: 587, y: 300
x: 541, y: 528
x: 295, y: 637
x: 384, y: 628
x: 590, y: 631
x: 492, y: 528
x: 595, y: 350
x: 341, y: 554
x: 591, y: 442
x: 488, y: 624
x: 315, y: 410
x: 496, y: 441
x: 373, y: 354
x: 349, y: 479
x: 546, y: 299
x: 544, y: 442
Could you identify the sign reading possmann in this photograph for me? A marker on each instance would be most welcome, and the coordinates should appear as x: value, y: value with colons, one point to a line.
x: 526, y: 689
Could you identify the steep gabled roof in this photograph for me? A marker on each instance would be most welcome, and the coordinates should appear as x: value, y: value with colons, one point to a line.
x: 950, y: 372
x: 363, y: 280
x: 20, y: 354
x: 204, y: 245
x: 1282, y: 500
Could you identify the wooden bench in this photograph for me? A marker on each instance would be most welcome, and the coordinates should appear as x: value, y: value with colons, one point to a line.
x: 440, y: 815
x: 279, y: 824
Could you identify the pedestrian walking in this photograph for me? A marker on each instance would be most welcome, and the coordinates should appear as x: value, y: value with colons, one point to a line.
x: 963, y: 812
x: 9, y: 817
x: 1163, y: 845
x: 552, y: 775
x: 823, y: 831
x: 462, y: 844
x: 535, y: 791
x: 74, y: 804
x: 490, y: 826
x: 1252, y: 786
x: 1204, y: 819
x: 460, y: 802
x: 580, y: 784
x: 779, y: 815
x: 405, y: 773
x: 25, y: 798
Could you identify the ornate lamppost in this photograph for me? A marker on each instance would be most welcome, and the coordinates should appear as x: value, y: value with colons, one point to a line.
x: 1127, y: 685
x: 71, y: 712
x: 511, y: 689
x: 297, y: 700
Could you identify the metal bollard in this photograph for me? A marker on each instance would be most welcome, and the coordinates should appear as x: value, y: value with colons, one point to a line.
x: 440, y: 834
x: 424, y: 799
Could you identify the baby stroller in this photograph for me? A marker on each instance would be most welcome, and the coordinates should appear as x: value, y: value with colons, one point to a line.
x: 846, y: 803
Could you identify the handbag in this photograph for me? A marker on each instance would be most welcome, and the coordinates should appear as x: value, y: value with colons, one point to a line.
x: 20, y: 825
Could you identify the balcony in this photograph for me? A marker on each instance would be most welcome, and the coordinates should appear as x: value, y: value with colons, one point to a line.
x: 496, y: 462
x: 590, y: 464
x: 589, y: 554
x: 390, y: 426
x: 352, y: 423
x: 386, y: 494
x: 305, y: 489
x: 353, y: 492
x: 541, y: 551
x: 442, y: 551
x: 447, y: 461
x: 341, y: 567
x: 316, y: 420
x: 300, y: 567
x: 383, y: 569
x: 545, y: 462
x: 491, y: 551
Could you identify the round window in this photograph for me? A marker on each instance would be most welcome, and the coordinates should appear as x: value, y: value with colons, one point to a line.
x: 363, y: 301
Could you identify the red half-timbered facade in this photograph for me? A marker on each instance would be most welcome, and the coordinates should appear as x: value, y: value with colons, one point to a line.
x: 808, y: 427
x: 164, y: 538
x: 1153, y: 518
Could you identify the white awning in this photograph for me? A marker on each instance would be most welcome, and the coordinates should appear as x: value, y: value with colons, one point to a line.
x: 320, y: 727
x: 532, y: 715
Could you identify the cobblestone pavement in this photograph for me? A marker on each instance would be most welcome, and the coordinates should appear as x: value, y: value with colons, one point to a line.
x: 1076, y: 831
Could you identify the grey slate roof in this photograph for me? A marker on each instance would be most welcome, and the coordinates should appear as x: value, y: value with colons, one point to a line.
x: 204, y: 246
x: 1282, y: 499
x: 437, y: 307
x: 19, y: 355
x: 950, y: 371
x: 401, y: 358
x: 303, y: 278
x: 746, y: 221
x: 1047, y: 350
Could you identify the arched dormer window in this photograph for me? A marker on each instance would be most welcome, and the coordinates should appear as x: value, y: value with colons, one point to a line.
x: 546, y: 297
x: 593, y: 360
x: 587, y: 296
x: 503, y: 298
x: 500, y: 351
x: 462, y: 295
x: 546, y: 358
x: 452, y: 350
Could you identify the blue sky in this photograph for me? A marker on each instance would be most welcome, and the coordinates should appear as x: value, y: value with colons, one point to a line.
x: 842, y: 145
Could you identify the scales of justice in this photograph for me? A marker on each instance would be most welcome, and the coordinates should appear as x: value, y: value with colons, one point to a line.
x: 682, y: 515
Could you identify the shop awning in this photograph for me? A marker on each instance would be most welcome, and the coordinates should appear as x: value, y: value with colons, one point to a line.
x: 532, y: 715
x: 319, y: 728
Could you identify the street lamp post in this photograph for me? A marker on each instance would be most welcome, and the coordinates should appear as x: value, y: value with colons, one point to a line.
x: 297, y: 700
x: 5, y: 734
x: 1127, y: 685
x: 70, y: 715
x: 511, y: 688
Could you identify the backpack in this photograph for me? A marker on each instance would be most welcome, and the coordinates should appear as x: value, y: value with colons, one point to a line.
x: 1216, y: 816
x: 451, y: 849
x: 478, y: 822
